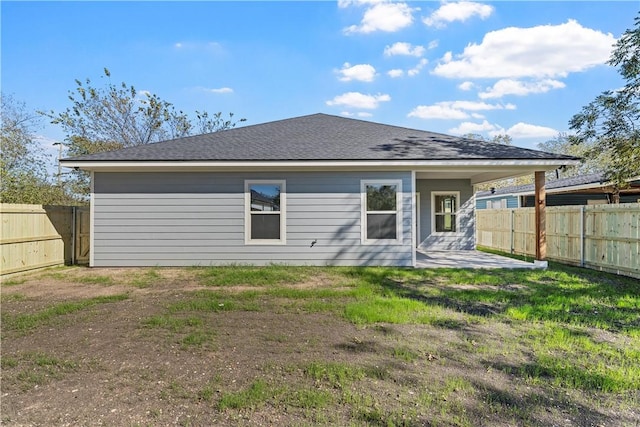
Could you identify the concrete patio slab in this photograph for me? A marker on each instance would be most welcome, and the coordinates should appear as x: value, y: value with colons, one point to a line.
x: 469, y: 259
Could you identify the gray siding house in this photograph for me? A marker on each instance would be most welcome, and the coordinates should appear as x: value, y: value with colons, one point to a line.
x: 311, y: 190
x: 589, y: 189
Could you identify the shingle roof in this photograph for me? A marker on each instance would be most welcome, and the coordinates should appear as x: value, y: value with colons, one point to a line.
x: 320, y: 137
x: 573, y: 181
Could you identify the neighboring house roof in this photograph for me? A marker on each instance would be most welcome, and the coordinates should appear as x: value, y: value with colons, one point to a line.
x: 563, y: 185
x: 319, y: 137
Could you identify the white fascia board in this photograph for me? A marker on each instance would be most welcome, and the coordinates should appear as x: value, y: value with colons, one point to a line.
x: 301, y: 165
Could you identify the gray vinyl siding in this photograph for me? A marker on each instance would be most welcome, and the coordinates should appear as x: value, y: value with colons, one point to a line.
x: 197, y: 218
x: 464, y: 238
x: 511, y: 201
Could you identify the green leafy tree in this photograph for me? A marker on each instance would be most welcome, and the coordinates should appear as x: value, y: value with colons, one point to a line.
x: 503, y: 139
x: 563, y: 144
x: 610, y: 123
x: 117, y: 116
x: 23, y: 171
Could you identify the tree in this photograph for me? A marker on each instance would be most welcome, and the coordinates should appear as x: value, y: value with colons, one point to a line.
x: 610, y: 123
x: 563, y: 144
x: 118, y: 116
x: 502, y: 139
x: 23, y: 171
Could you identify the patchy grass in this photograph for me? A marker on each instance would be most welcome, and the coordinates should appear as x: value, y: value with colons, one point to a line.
x: 254, y: 276
x: 256, y: 394
x: 34, y: 369
x: 26, y: 321
x: 282, y: 345
x: 145, y: 279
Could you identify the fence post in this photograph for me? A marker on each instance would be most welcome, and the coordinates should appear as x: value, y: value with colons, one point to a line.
x: 512, y: 231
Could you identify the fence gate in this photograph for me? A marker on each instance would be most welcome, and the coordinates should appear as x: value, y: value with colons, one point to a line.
x: 81, y: 244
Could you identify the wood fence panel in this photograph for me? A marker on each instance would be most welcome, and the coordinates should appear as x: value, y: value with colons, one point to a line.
x: 524, y: 232
x: 603, y: 237
x: 36, y: 236
x: 29, y: 238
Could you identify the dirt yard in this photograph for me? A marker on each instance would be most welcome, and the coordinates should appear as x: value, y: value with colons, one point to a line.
x: 116, y: 347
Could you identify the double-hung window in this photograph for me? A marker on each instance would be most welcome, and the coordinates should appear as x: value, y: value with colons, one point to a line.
x: 444, y: 206
x: 265, y: 220
x: 381, y: 211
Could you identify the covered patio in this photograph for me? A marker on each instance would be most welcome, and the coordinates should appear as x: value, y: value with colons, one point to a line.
x: 469, y: 259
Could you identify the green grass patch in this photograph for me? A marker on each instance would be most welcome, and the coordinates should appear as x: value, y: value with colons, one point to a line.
x: 308, y: 398
x: 337, y: 375
x: 405, y: 353
x: 95, y: 280
x: 571, y: 357
x: 253, y: 396
x: 24, y: 322
x: 13, y: 282
x: 254, y: 276
x: 145, y: 279
x: 398, y: 310
x: 12, y: 297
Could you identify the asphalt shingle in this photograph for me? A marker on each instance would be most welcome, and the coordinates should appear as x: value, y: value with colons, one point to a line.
x: 320, y: 137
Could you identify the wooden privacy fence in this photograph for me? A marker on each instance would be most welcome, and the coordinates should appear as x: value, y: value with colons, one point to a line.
x: 602, y: 237
x: 36, y: 236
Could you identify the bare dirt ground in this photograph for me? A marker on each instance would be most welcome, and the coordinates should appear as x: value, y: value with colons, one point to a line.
x: 103, y: 366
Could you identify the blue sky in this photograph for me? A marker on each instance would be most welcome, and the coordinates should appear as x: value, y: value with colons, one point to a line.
x: 521, y: 68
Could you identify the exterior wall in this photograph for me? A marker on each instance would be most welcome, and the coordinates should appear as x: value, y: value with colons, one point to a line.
x: 511, y: 202
x: 197, y: 218
x: 464, y: 239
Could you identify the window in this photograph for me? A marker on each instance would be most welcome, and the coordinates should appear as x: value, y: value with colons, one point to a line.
x: 265, y: 212
x: 381, y: 211
x: 444, y: 206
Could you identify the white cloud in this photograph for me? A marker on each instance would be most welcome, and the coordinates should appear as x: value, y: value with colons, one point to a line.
x: 395, y: 73
x: 470, y: 127
x: 516, y: 87
x: 365, y: 114
x: 437, y: 111
x: 346, y: 3
x: 359, y: 100
x: 466, y: 86
x: 460, y: 11
x: 212, y: 47
x: 216, y: 90
x: 433, y: 44
x: 526, y: 130
x: 388, y: 17
x: 403, y: 48
x: 545, y: 51
x: 456, y: 110
x: 360, y: 72
x: 419, y: 66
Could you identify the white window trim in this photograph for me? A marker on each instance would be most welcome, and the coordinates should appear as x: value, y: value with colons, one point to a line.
x: 247, y: 212
x: 456, y: 213
x: 363, y: 213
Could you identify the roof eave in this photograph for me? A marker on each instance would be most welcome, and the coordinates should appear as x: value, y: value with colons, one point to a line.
x: 207, y: 165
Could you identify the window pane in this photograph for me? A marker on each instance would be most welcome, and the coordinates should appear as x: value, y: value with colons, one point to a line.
x: 265, y: 197
x: 265, y: 226
x: 445, y: 222
x: 381, y: 226
x: 445, y: 203
x: 381, y: 197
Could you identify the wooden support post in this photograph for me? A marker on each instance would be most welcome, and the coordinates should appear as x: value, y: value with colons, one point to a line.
x: 540, y: 207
